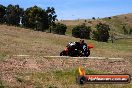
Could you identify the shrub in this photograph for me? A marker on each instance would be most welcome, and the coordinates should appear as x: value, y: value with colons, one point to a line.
x: 59, y: 29
x: 81, y: 31
x: 102, y: 32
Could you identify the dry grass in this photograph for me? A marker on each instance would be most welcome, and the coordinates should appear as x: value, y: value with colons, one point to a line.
x: 37, y: 71
x: 15, y: 41
x: 42, y: 72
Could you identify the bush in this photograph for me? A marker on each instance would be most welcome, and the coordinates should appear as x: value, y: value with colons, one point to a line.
x: 81, y: 31
x: 95, y: 35
x: 109, y: 17
x: 59, y: 29
x: 102, y: 32
x: 93, y: 18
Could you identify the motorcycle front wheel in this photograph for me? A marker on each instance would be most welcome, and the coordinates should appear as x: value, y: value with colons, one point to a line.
x: 63, y: 53
x: 88, y: 53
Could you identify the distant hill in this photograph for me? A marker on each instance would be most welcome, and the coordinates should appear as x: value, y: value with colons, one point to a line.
x: 116, y: 23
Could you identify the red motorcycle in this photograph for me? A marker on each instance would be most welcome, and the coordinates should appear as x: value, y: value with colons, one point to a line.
x: 75, y: 51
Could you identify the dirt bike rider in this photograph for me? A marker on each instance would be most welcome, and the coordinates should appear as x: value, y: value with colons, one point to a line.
x: 76, y: 49
x: 83, y: 47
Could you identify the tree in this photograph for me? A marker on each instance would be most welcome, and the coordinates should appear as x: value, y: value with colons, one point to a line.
x: 59, y: 28
x: 41, y: 19
x: 51, y: 16
x: 13, y: 14
x: 81, y: 31
x: 102, y: 32
x: 35, y: 18
x: 2, y: 13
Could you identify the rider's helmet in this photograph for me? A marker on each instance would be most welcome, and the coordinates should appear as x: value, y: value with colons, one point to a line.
x: 81, y: 41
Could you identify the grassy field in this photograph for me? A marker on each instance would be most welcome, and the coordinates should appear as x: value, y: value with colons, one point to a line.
x: 15, y: 41
x: 36, y: 71
x: 56, y: 79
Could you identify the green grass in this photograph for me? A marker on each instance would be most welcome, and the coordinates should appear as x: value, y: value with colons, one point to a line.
x: 1, y: 84
x: 62, y: 78
x: 116, y: 24
x: 124, y: 44
x: 2, y: 55
x: 118, y: 45
x: 50, y: 79
x: 69, y: 30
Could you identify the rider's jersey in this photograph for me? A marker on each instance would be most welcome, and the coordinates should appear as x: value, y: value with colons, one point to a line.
x: 84, y: 47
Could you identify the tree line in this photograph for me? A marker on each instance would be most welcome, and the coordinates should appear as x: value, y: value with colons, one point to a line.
x: 40, y: 19
x: 34, y: 18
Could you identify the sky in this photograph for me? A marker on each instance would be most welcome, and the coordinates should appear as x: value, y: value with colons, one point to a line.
x: 78, y: 9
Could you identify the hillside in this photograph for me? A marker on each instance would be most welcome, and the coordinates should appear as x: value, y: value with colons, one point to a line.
x: 16, y: 40
x: 37, y: 71
x: 115, y: 22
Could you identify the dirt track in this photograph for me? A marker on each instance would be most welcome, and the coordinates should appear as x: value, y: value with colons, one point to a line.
x: 25, y: 64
